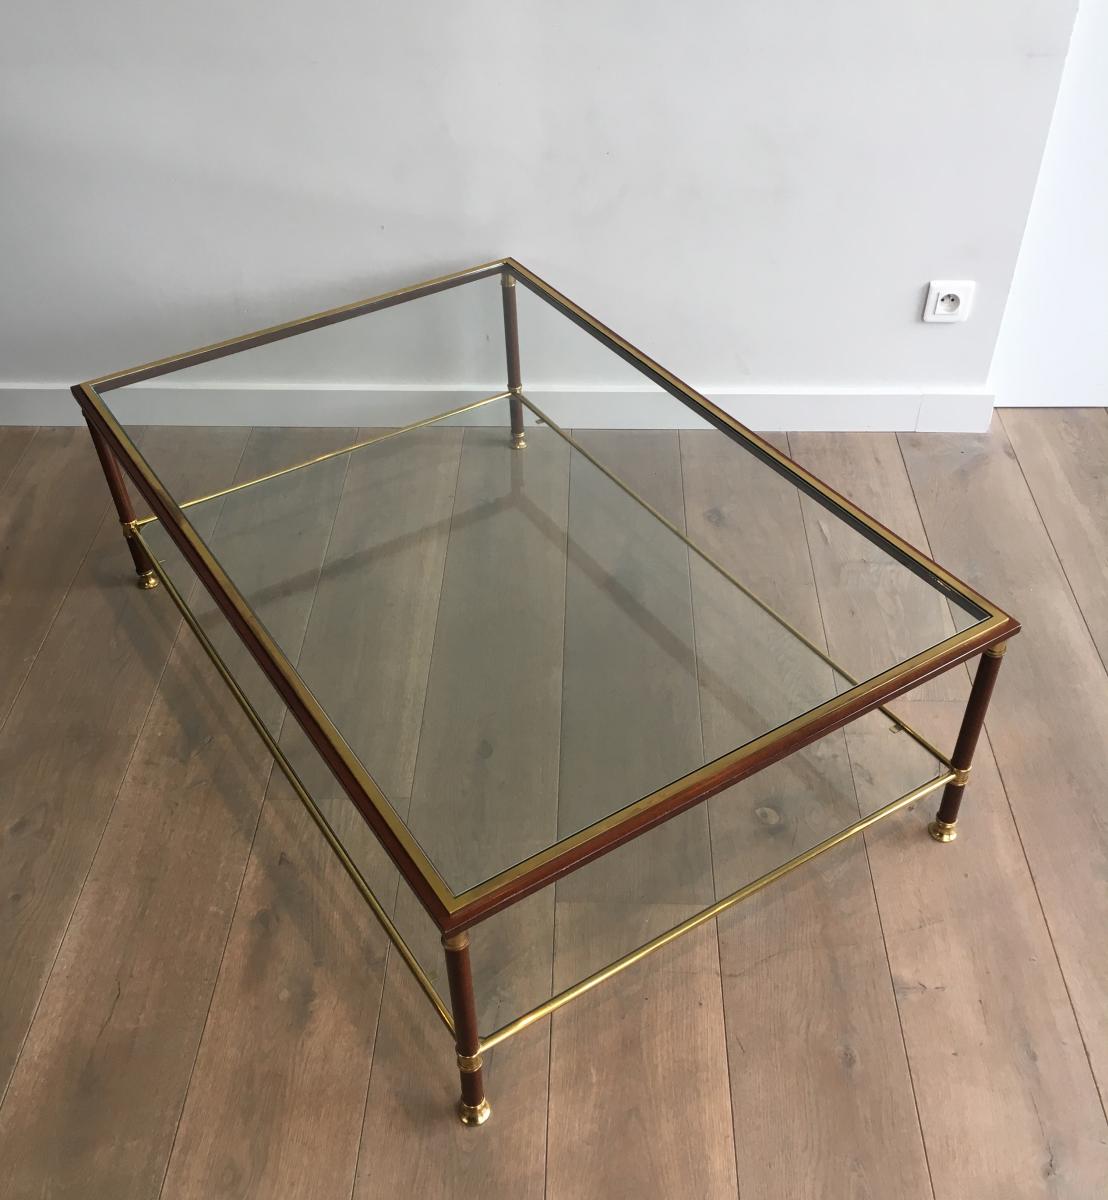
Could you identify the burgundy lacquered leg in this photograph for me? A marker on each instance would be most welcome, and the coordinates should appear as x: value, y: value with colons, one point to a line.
x: 944, y: 827
x: 144, y: 568
x: 511, y: 348
x: 473, y: 1108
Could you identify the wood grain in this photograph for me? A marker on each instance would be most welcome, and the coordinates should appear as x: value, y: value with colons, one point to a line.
x: 488, y: 753
x: 819, y: 1082
x: 484, y: 794
x: 980, y: 994
x: 309, y: 1002
x: 1064, y: 456
x: 883, y: 613
x: 638, y: 1083
x: 983, y: 1003
x: 66, y: 743
x: 634, y: 1098
x: 94, y: 1101
x: 367, y: 650
x: 285, y: 1058
x: 1048, y: 723
x: 51, y: 506
x: 14, y: 442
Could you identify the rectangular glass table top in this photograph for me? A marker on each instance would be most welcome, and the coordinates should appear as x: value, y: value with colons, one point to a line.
x: 521, y: 644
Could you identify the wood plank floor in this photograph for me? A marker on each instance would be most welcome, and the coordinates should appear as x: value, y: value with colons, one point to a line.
x: 194, y: 1004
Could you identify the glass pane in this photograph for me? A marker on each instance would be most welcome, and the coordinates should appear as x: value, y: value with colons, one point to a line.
x: 617, y: 903
x: 562, y: 934
x: 513, y: 645
x: 521, y: 643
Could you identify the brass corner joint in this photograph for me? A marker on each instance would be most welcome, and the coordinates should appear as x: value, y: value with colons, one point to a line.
x: 507, y: 279
x: 456, y: 941
x: 997, y: 651
x: 147, y: 580
x: 961, y: 776
x: 469, y: 1064
x: 942, y: 831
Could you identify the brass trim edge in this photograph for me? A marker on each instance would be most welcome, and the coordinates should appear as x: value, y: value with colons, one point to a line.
x: 628, y: 960
x: 302, y: 793
x: 271, y: 333
x: 717, y: 766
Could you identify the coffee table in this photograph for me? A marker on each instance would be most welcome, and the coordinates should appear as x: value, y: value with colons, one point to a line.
x: 549, y: 624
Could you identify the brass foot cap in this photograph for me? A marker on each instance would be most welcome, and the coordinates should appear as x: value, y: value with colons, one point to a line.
x: 147, y: 580
x: 474, y: 1114
x: 942, y: 831
x: 519, y: 441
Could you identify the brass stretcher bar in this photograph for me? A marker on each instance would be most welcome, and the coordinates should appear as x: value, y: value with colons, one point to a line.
x: 311, y: 462
x: 708, y: 914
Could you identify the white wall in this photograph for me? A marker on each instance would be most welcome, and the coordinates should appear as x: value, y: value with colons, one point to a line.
x: 1053, y: 344
x: 754, y: 193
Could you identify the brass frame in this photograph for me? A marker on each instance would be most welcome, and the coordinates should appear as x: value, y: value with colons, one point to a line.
x: 453, y: 913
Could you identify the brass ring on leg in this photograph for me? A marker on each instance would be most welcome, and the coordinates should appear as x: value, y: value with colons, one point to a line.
x: 943, y: 831
x: 473, y: 1115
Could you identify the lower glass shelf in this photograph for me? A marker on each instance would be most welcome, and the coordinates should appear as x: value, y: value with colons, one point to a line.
x: 607, y: 910
x: 601, y: 913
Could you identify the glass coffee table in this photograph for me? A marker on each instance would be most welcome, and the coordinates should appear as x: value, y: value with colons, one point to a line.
x: 533, y: 630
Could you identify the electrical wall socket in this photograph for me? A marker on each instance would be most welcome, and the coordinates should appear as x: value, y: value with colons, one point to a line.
x: 949, y: 300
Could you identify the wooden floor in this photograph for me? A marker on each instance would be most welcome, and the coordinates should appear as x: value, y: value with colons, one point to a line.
x: 193, y: 1002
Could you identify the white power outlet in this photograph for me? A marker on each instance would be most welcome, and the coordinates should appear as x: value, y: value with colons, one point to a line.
x: 949, y: 300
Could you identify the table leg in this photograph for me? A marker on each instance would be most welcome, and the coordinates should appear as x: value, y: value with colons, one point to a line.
x: 473, y: 1108
x: 511, y: 349
x: 944, y: 827
x: 143, y: 566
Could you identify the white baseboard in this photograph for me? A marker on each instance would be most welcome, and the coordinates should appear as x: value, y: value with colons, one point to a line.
x: 1054, y: 401
x: 965, y: 410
